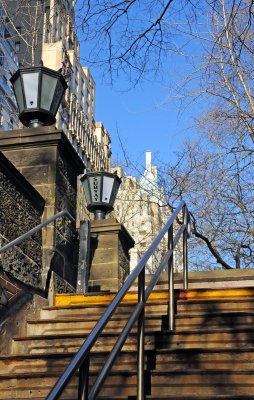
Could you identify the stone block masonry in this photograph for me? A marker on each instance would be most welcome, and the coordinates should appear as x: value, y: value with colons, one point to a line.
x: 45, y: 157
x: 21, y: 208
x: 110, y: 260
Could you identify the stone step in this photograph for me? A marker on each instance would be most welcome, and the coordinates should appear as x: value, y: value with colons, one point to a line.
x: 239, y: 319
x: 194, y: 358
x: 158, y: 295
x: 160, y: 308
x: 127, y: 360
x: 157, y: 323
x: 30, y: 386
x: 57, y: 362
x: 176, y: 397
x: 162, y: 397
x: 206, y: 338
x: 65, y: 343
x: 167, y: 397
x: 181, y: 383
x: 89, y: 312
x: 201, y: 382
x: 84, y: 326
x: 214, y: 306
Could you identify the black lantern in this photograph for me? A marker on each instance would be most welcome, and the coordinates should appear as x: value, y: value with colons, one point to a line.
x: 100, y: 190
x: 38, y: 91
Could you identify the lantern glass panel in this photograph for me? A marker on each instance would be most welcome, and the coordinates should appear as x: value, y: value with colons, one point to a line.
x: 31, y: 81
x: 47, y: 91
x: 19, y: 94
x: 87, y: 190
x: 115, y: 189
x: 95, y: 185
x: 107, y: 188
x: 59, y: 91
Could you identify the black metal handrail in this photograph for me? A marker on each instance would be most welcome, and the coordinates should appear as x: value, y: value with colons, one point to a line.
x: 36, y: 229
x: 81, y: 359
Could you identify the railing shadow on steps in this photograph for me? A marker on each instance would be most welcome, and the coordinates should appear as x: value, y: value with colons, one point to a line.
x: 31, y: 232
x: 81, y: 360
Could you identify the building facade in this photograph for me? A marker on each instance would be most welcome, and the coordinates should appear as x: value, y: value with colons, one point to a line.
x: 44, y: 31
x: 140, y: 206
x: 8, y: 65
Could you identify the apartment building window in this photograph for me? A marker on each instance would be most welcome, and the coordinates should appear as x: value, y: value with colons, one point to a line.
x: 1, y: 58
x: 76, y: 73
x: 82, y: 98
x: 7, y: 34
x: 56, y: 25
x: 61, y: 122
x: 60, y: 30
x: 48, y: 25
x: 17, y: 47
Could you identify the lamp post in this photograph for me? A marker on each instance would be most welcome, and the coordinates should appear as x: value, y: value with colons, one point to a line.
x: 38, y: 91
x: 46, y: 156
x: 100, y: 191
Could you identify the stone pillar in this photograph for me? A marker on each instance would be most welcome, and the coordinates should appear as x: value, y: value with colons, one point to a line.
x: 45, y: 157
x: 110, y: 260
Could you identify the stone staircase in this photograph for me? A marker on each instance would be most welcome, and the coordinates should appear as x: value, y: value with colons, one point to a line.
x: 210, y: 355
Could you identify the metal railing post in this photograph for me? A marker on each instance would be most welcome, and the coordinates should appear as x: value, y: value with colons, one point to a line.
x: 171, y: 308
x: 84, y: 379
x: 84, y: 257
x: 185, y: 248
x: 140, y: 338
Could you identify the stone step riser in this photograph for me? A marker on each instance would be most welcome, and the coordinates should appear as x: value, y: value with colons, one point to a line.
x: 32, y: 388
x: 128, y: 362
x: 84, y: 312
x: 122, y: 313
x: 207, y: 307
x: 202, y: 384
x: 164, y: 340
x: 182, y: 307
x: 42, y: 328
x: 158, y: 324
x: 164, y: 384
x: 162, y: 397
x: 151, y: 307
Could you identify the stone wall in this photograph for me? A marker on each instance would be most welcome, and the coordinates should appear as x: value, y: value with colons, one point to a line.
x: 21, y: 208
x: 64, y: 263
x: 109, y: 259
x: 45, y: 157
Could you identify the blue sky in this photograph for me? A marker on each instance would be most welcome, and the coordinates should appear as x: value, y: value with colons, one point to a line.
x: 143, y: 118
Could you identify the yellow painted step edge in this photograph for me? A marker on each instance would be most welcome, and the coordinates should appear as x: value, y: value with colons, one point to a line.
x: 79, y: 299
x: 192, y: 294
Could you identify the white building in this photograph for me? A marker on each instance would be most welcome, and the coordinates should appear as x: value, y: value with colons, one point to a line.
x: 140, y: 206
